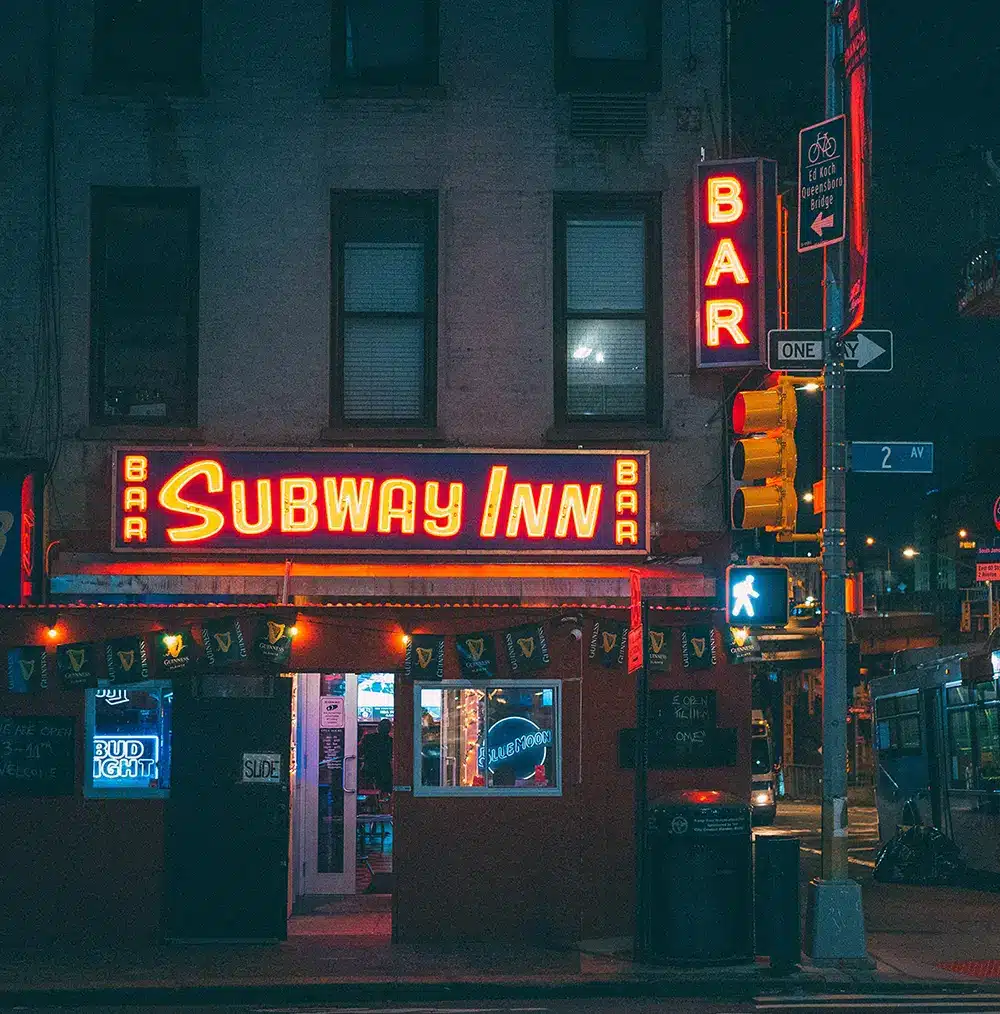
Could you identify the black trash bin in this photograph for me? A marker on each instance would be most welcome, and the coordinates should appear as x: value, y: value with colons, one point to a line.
x: 700, y: 879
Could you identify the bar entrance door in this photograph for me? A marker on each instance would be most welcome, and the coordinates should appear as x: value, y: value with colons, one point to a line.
x: 326, y: 783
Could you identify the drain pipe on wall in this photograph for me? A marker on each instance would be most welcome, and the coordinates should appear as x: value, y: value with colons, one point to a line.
x: 284, y: 583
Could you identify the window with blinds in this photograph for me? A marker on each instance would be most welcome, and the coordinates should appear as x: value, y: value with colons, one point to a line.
x: 144, y: 305
x: 608, y: 45
x: 385, y: 42
x: 385, y: 257
x: 606, y: 315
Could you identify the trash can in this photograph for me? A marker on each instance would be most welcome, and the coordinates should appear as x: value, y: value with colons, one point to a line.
x: 700, y: 878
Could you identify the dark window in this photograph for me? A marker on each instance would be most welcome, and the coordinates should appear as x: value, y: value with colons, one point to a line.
x: 147, y: 43
x: 385, y: 309
x: 144, y: 305
x: 898, y: 726
x: 760, y: 756
x: 385, y: 42
x: 608, y: 341
x: 608, y: 45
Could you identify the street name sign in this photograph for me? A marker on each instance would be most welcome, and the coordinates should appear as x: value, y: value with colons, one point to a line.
x: 822, y: 184
x: 891, y: 456
x: 801, y: 351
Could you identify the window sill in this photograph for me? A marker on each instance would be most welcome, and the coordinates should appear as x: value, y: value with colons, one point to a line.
x: 140, y: 91
x: 163, y: 434
x: 404, y: 436
x: 360, y: 90
x: 602, y: 432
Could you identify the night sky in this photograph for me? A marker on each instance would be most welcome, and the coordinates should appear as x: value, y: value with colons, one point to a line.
x: 936, y: 92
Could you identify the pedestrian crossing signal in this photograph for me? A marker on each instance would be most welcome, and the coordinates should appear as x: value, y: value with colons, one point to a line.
x: 757, y: 596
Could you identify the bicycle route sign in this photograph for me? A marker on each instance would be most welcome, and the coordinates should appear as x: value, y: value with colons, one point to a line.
x: 822, y: 184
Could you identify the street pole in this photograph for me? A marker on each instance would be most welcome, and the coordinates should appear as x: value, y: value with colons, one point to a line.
x: 835, y: 923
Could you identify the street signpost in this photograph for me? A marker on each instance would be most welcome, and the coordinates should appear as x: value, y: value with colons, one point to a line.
x: 822, y: 184
x: 891, y: 456
x: 801, y: 351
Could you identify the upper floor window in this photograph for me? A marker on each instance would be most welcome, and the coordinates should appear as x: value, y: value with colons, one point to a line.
x: 142, y: 43
x: 608, y: 45
x: 608, y: 342
x: 385, y: 309
x: 144, y: 305
x: 385, y: 42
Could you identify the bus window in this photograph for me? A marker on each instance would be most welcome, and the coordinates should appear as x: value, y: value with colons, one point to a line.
x: 989, y: 748
x: 956, y: 696
x: 960, y: 740
x: 898, y: 726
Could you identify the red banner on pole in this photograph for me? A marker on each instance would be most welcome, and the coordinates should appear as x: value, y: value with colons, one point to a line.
x: 857, y: 95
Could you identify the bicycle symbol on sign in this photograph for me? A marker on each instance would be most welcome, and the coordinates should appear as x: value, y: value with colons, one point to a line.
x: 824, y: 147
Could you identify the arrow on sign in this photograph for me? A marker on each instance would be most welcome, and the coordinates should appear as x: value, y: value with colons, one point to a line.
x: 820, y: 223
x: 862, y: 349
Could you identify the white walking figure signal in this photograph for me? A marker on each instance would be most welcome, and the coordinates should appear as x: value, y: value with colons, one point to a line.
x: 743, y: 591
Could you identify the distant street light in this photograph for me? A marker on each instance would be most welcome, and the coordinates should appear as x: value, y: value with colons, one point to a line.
x: 869, y: 541
x: 807, y: 497
x: 962, y: 533
x: 910, y: 552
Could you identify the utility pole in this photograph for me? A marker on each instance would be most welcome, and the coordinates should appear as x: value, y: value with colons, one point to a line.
x: 835, y: 922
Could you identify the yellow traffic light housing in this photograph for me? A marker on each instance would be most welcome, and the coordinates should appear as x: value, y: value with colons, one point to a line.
x: 767, y: 419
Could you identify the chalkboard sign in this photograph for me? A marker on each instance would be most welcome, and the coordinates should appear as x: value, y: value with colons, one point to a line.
x: 669, y: 747
x: 37, y: 756
x: 682, y: 709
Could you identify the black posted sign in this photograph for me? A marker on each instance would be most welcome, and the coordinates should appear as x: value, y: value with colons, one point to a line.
x: 37, y: 756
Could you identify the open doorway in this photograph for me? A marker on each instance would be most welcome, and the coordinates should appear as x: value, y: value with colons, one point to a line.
x: 342, y: 816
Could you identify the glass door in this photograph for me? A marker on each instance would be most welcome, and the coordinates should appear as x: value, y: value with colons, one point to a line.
x: 326, y: 783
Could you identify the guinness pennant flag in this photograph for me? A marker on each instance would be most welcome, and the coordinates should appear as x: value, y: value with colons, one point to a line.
x: 27, y: 670
x: 78, y: 665
x: 272, y: 643
x: 607, y: 642
x: 657, y: 649
x: 425, y: 657
x: 477, y: 655
x: 175, y: 651
x: 223, y: 641
x: 698, y: 647
x: 127, y: 660
x: 741, y: 644
x: 527, y: 650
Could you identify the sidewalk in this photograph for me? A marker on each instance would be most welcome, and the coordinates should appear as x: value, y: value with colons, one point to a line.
x: 314, y: 966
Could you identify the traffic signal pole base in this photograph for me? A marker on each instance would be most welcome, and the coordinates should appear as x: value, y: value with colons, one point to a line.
x: 835, y: 924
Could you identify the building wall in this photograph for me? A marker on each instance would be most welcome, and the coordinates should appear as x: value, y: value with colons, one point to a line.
x: 539, y: 868
x: 266, y: 144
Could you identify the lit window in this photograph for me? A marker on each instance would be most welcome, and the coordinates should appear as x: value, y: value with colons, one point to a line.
x: 607, y: 309
x: 128, y: 741
x: 479, y: 738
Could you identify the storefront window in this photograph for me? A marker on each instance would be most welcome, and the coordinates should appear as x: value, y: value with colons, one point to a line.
x: 483, y: 738
x: 128, y: 741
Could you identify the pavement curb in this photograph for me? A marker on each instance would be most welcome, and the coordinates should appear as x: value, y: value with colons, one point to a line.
x: 462, y: 990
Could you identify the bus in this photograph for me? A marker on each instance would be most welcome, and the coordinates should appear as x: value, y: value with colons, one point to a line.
x: 937, y: 752
x: 763, y: 777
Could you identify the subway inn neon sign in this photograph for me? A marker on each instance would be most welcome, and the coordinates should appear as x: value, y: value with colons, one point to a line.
x: 736, y: 235
x: 200, y: 500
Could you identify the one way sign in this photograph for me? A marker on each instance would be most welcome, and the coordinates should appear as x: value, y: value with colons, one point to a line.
x: 801, y: 351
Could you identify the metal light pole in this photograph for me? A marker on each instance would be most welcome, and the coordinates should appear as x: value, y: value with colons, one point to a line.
x: 835, y: 923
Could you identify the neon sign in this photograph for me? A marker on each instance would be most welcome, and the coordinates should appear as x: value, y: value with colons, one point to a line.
x: 735, y: 260
x: 381, y: 501
x: 126, y: 760
x: 515, y: 742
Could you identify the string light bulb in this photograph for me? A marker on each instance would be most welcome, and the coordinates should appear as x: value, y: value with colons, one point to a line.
x: 406, y: 638
x: 52, y: 632
x: 293, y: 631
x: 170, y: 640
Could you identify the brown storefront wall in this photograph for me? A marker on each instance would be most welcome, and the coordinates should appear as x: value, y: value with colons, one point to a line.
x: 539, y: 868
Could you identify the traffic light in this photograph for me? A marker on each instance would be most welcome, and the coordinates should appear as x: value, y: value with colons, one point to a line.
x: 767, y: 419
